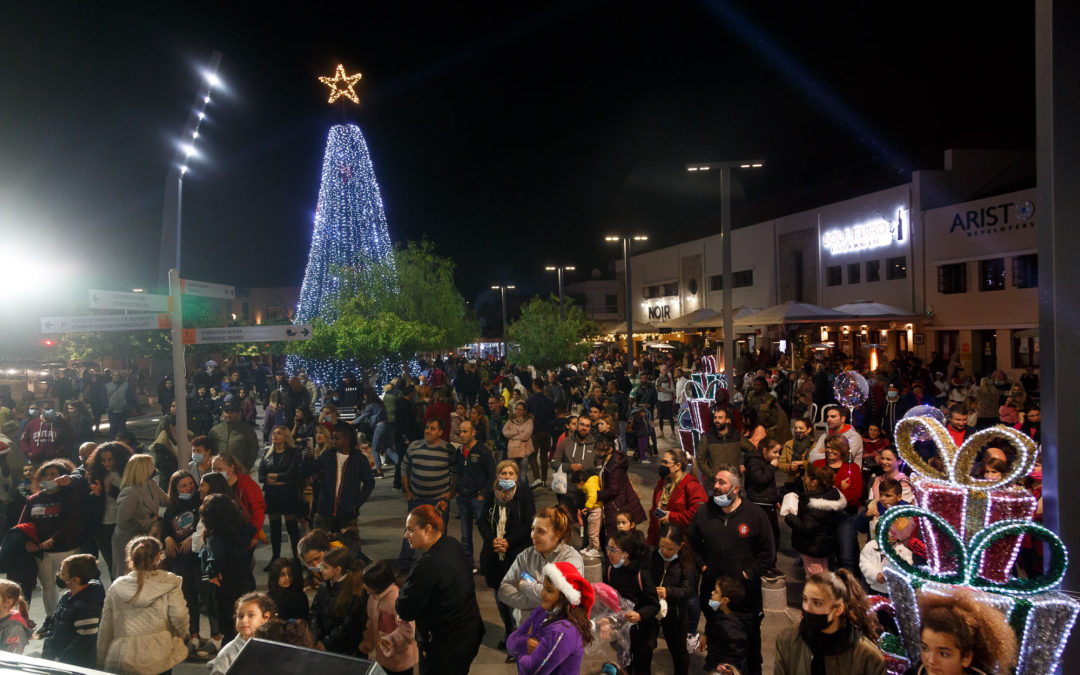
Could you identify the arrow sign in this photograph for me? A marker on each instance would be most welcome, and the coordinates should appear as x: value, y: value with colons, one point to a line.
x: 140, y: 302
x: 206, y: 289
x: 202, y: 336
x: 94, y: 324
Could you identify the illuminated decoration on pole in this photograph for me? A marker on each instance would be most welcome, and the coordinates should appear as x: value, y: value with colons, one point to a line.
x: 350, y: 229
x: 972, y: 530
x: 700, y: 390
x: 342, y: 85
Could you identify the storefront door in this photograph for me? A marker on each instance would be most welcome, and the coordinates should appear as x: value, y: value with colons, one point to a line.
x: 946, y: 342
x: 984, y: 360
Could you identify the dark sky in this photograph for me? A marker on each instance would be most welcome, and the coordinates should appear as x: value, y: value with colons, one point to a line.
x: 514, y: 135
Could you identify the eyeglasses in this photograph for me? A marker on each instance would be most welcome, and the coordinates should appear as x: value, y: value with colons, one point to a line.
x: 612, y: 549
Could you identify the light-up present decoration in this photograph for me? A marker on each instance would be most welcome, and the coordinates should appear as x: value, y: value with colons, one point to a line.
x: 972, y: 529
x: 700, y: 393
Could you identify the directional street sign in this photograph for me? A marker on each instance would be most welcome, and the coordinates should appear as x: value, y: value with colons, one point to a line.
x: 206, y: 289
x: 114, y: 322
x: 202, y: 336
x: 140, y: 302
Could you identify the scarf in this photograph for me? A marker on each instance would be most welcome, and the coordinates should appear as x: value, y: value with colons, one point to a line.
x: 827, y: 644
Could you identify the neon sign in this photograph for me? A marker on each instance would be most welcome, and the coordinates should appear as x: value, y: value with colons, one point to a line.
x: 871, y: 234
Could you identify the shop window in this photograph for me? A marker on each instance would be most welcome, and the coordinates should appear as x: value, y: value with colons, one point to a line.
x: 992, y: 274
x: 1025, y: 351
x: 873, y: 270
x: 650, y: 292
x: 671, y: 289
x: 1026, y: 271
x: 952, y: 278
x: 275, y: 312
x: 834, y: 276
x: 853, y: 273
x: 742, y: 279
x: 896, y: 268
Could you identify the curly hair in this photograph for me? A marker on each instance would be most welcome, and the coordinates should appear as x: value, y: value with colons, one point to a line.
x: 221, y: 516
x: 62, y: 466
x: 293, y: 632
x: 977, y: 629
x: 120, y: 454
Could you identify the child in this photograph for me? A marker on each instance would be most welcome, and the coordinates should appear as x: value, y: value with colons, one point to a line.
x: 628, y: 575
x: 994, y: 469
x: 295, y: 632
x: 14, y: 618
x: 725, y: 633
x: 553, y: 638
x: 285, y: 587
x: 594, y: 508
x: 813, y: 528
x: 872, y: 561
x: 672, y: 566
x: 391, y: 640
x: 178, y: 526
x: 961, y: 635
x: 252, y: 610
x: 337, y: 622
x: 73, y: 639
x: 624, y: 522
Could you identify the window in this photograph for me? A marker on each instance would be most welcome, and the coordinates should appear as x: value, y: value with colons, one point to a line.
x: 650, y: 292
x: 952, y: 278
x: 853, y: 273
x: 1025, y: 351
x: 245, y: 312
x: 834, y: 276
x: 275, y: 312
x: 896, y: 268
x: 992, y: 274
x: 1026, y: 271
x: 671, y: 289
x: 611, y: 303
x: 873, y: 270
x: 742, y: 279
x: 716, y: 282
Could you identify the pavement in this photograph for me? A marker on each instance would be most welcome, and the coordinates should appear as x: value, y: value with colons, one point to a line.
x: 382, y: 521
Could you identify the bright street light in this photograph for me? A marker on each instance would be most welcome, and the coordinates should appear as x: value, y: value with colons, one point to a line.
x: 560, y: 269
x: 626, y: 242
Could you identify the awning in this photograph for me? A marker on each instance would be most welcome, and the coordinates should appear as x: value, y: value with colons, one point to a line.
x: 790, y: 312
x: 697, y: 319
x: 866, y: 309
x: 619, y: 327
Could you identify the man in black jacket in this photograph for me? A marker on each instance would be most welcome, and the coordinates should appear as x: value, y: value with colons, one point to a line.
x: 733, y: 538
x: 475, y: 484
x: 543, y: 412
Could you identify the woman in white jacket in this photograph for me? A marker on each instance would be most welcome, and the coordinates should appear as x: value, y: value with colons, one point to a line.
x: 145, y: 620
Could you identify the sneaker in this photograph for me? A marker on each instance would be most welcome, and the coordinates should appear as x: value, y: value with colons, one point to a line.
x: 209, y: 648
x: 692, y: 642
x: 192, y: 647
x: 646, y: 461
x: 536, y: 483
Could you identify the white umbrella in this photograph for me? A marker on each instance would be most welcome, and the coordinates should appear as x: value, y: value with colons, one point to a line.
x: 659, y: 345
x: 867, y: 308
x: 699, y: 318
x: 790, y: 312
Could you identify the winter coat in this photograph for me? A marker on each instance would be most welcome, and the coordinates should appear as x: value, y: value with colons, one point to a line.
x: 794, y: 451
x: 56, y: 516
x: 75, y: 627
x: 633, y: 582
x: 813, y: 529
x: 287, y: 467
x: 726, y: 636
x: 228, y: 557
x: 525, y: 596
x: 560, y: 649
x: 519, y: 516
x: 249, y: 494
x: 14, y: 633
x: 136, y: 509
x: 715, y: 450
x: 861, y: 657
x: 440, y: 596
x: 339, y: 634
x: 738, y: 544
x: 686, y: 497
x: 519, y: 437
x: 679, y: 582
x: 760, y: 480
x: 143, y: 634
x: 617, y: 493
x: 237, y: 439
x: 383, y: 622
x: 853, y: 474
x: 357, y: 484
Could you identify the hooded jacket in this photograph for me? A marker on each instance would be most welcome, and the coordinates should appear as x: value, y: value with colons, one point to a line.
x: 571, y: 450
x: 142, y: 632
x: 560, y: 649
x: 813, y: 529
x: 383, y: 622
x: 42, y: 440
x: 617, y: 493
x: 760, y: 480
x: 525, y: 596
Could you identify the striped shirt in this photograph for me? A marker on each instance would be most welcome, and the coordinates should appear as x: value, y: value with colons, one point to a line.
x: 430, y: 468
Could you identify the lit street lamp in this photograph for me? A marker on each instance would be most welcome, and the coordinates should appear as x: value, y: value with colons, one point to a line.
x: 560, y: 269
x: 725, y: 243
x: 502, y: 291
x: 626, y: 240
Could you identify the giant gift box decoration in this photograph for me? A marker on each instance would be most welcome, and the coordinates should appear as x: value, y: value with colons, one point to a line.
x: 972, y: 530
x: 700, y: 392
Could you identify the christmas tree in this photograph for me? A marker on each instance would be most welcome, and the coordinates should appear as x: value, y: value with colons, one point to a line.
x: 350, y: 231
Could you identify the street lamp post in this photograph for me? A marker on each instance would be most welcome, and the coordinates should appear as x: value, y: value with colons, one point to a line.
x: 725, y: 255
x: 560, y: 269
x: 502, y: 292
x: 626, y: 240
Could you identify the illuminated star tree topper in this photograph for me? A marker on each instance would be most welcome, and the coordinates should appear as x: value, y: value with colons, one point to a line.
x: 341, y: 85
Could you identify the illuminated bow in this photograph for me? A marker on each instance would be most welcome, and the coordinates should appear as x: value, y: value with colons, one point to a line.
x: 959, y: 461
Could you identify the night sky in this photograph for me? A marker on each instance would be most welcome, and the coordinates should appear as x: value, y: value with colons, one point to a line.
x: 513, y: 135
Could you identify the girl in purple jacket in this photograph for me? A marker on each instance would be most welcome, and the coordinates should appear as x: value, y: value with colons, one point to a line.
x: 553, y: 639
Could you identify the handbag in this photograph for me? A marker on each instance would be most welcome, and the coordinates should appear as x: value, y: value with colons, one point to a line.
x: 559, y: 481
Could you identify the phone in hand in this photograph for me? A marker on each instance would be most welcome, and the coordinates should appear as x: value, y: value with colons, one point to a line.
x: 525, y: 576
x: 659, y: 513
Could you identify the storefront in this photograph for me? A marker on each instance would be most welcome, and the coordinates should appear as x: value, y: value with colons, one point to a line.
x: 982, y: 278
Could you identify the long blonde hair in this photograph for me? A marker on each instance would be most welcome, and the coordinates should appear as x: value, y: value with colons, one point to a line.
x: 316, y: 448
x: 138, y: 470
x: 142, y: 556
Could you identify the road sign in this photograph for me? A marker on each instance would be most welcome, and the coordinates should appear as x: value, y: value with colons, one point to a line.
x: 201, y: 336
x: 114, y: 322
x: 140, y: 302
x: 206, y: 289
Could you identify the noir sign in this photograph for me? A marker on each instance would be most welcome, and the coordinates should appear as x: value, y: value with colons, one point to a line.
x: 660, y: 313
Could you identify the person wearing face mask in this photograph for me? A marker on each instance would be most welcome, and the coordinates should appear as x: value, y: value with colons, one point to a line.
x: 628, y: 574
x: 733, y: 537
x: 891, y: 410
x: 617, y: 492
x: 676, y: 497
x: 47, y: 436
x: 202, y: 458
x: 837, y: 634
x: 178, y: 525
x: 1031, y: 426
x: 793, y: 456
x: 672, y: 567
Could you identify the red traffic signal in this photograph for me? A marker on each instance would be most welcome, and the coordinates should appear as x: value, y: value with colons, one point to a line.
x: 48, y: 342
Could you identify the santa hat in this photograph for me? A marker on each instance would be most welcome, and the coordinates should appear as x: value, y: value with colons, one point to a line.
x: 571, y: 584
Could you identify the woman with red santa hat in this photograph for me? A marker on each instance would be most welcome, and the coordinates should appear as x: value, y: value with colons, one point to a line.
x: 554, y: 637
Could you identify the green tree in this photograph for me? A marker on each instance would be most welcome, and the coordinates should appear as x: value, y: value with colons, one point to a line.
x: 393, y: 308
x: 542, y: 339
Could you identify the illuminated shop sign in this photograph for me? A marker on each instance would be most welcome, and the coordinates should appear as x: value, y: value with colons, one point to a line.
x: 871, y: 234
x: 659, y: 312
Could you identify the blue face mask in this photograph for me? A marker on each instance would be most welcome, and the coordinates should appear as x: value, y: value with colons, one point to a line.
x: 33, y: 412
x: 49, y: 415
x: 198, y: 457
x: 620, y: 563
x: 506, y: 484
x: 722, y: 500
x: 667, y: 559
x: 186, y: 497
x: 715, y: 605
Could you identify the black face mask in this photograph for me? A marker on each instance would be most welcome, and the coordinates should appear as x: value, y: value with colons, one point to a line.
x: 663, y: 471
x: 60, y: 583
x: 816, y: 623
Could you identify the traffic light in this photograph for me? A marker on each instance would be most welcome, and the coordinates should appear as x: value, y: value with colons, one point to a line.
x: 49, y: 342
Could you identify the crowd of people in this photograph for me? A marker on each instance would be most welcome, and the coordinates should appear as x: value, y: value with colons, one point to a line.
x: 495, y: 442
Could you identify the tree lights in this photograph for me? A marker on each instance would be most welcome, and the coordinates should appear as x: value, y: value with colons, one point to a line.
x: 342, y: 85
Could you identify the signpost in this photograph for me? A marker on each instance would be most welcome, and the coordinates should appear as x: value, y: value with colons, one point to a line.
x: 205, y: 289
x: 138, y: 302
x: 202, y: 336
x: 107, y: 323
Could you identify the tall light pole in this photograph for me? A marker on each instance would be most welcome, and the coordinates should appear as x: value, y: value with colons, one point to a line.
x: 626, y: 240
x: 502, y: 292
x: 725, y: 246
x: 560, y: 269
x: 180, y: 166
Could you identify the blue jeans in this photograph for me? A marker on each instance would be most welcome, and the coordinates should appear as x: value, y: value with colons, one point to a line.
x: 471, y: 509
x: 407, y: 555
x: 846, y: 542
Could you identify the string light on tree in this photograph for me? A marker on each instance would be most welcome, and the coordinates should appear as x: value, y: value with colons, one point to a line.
x: 342, y: 85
